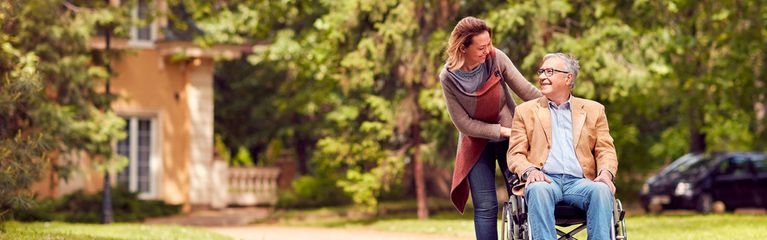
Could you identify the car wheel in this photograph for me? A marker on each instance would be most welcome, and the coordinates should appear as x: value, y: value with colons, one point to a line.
x: 718, y: 207
x: 705, y: 203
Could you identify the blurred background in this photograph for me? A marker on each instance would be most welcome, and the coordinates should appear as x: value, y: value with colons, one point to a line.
x: 198, y: 105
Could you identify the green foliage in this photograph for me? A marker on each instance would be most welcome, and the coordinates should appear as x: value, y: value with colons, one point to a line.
x: 357, y: 79
x: 242, y: 158
x: 21, y: 150
x: 661, y: 69
x: 82, y: 207
x: 222, y: 149
x: 311, y: 192
x: 50, y: 101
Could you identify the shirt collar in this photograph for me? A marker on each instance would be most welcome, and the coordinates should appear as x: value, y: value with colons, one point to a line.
x: 565, y: 105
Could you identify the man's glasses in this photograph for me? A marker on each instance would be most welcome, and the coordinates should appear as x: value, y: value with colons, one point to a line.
x: 549, y: 71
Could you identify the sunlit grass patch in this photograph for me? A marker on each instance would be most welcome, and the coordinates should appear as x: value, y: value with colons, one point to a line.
x: 58, y: 230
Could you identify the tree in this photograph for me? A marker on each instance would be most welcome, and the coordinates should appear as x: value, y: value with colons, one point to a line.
x: 670, y: 73
x: 51, y: 106
x: 716, y: 51
x: 361, y: 67
x: 23, y: 149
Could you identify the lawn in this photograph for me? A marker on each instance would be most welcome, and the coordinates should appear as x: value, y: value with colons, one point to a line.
x: 57, y: 230
x: 728, y: 226
x: 667, y: 226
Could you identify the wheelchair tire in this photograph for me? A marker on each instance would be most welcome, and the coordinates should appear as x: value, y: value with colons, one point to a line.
x: 519, y: 226
x: 506, y: 223
x: 513, y: 228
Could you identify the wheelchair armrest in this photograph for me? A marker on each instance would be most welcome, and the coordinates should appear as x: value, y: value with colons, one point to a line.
x: 511, y: 180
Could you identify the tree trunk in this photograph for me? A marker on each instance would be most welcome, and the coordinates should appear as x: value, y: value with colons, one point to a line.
x: 420, y: 183
x: 301, y: 145
x: 697, y: 138
x: 106, y: 201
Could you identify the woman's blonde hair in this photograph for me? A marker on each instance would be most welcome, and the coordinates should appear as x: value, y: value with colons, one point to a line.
x: 461, y: 38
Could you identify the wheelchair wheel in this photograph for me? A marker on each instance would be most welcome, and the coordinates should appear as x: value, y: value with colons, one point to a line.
x: 506, y: 222
x: 510, y: 227
x: 619, y: 226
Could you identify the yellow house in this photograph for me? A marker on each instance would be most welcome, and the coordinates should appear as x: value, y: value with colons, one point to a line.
x: 168, y: 107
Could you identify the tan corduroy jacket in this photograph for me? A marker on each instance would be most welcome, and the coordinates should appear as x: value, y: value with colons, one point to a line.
x: 530, y: 140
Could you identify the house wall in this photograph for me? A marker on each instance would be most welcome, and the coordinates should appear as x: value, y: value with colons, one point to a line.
x: 200, y: 100
x: 149, y: 85
x: 179, y: 96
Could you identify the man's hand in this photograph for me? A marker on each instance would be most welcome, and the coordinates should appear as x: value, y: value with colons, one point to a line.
x: 536, y: 175
x: 605, y: 177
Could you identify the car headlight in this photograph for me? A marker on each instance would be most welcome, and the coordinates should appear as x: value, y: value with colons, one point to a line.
x: 683, y: 189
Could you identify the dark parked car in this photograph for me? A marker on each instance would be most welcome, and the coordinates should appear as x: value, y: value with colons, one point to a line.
x: 701, y: 181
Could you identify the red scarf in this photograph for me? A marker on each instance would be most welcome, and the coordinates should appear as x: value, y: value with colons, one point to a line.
x: 487, y: 110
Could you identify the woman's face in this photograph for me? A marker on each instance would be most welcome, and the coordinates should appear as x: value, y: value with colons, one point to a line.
x: 476, y: 53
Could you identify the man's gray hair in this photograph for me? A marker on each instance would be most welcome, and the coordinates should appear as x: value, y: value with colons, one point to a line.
x: 570, y: 63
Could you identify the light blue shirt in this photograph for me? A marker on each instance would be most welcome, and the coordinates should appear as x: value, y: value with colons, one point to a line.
x: 562, y: 159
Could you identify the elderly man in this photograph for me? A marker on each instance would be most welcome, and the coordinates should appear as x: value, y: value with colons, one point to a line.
x: 561, y: 147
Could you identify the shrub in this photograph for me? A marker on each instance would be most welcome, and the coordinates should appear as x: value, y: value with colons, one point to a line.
x: 310, y: 191
x: 82, y: 207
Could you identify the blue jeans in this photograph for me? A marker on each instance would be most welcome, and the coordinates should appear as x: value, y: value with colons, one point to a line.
x: 593, y: 197
x: 482, y: 185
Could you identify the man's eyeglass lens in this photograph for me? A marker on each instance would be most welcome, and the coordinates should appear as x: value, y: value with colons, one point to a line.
x: 549, y: 71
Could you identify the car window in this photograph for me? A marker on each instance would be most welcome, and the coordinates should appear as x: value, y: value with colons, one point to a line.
x: 699, y: 165
x: 760, y: 163
x: 685, y: 162
x: 736, y: 166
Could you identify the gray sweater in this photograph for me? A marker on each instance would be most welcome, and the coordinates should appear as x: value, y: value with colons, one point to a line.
x: 462, y: 103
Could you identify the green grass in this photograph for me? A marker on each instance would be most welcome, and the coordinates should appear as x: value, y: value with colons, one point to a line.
x: 728, y: 226
x: 58, y: 230
x: 680, y: 225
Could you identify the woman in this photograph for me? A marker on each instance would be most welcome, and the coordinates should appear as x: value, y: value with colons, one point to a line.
x: 474, y: 82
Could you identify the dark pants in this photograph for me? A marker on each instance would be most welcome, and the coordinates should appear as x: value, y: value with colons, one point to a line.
x: 482, y: 184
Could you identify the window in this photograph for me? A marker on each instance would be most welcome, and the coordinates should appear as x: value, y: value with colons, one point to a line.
x: 736, y: 166
x: 760, y: 163
x: 144, y: 33
x: 139, y: 147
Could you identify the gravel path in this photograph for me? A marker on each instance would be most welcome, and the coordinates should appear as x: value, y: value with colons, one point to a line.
x: 267, y: 232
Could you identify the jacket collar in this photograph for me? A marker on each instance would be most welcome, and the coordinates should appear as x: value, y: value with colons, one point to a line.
x: 578, y: 117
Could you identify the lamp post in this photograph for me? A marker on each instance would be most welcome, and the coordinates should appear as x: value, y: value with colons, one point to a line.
x: 106, y: 203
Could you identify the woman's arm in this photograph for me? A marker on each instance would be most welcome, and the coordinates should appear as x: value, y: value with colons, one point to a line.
x: 516, y: 81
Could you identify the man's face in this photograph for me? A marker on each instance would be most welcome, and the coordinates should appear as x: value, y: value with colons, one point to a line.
x: 553, y: 77
x: 480, y: 47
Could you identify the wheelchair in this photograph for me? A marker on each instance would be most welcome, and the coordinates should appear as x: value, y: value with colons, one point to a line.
x: 514, y: 224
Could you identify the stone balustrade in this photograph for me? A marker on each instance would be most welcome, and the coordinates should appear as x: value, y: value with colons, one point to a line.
x: 250, y: 186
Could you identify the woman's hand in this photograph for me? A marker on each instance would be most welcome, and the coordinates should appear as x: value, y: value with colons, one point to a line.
x: 505, y: 132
